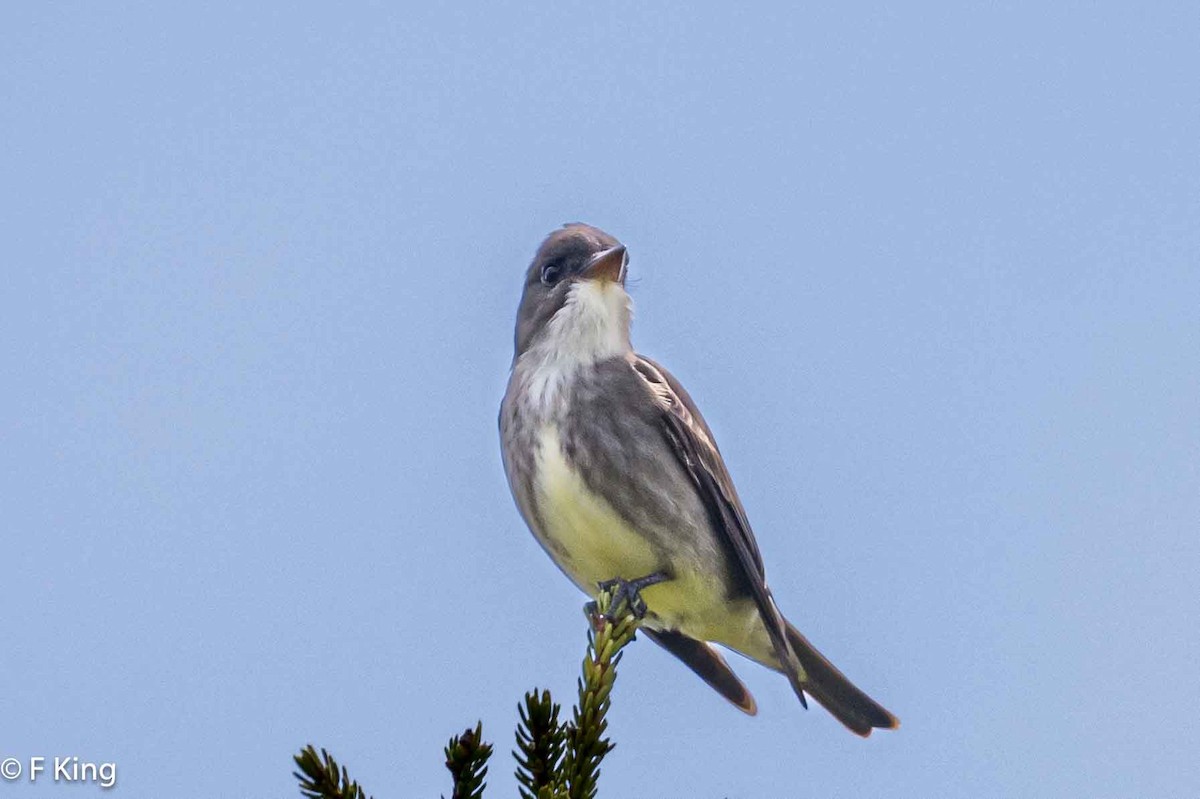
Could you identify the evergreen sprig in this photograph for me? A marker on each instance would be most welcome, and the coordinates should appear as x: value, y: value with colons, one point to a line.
x: 612, y: 629
x: 541, y: 741
x: 555, y: 760
x: 321, y: 778
x: 466, y: 758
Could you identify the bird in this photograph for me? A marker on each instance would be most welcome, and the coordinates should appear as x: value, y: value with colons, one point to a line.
x: 618, y: 476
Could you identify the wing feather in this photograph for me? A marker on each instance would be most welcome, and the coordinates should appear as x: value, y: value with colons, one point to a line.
x: 692, y: 442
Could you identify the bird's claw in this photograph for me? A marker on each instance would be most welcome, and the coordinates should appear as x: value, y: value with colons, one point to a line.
x: 628, y: 591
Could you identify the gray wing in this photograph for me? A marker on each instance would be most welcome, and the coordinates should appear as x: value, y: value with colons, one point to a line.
x: 692, y: 442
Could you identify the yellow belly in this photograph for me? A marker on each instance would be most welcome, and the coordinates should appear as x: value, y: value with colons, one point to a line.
x: 584, y: 534
x: 592, y: 543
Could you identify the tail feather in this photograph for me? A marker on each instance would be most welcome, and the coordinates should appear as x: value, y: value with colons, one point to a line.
x: 707, y: 662
x: 849, y: 705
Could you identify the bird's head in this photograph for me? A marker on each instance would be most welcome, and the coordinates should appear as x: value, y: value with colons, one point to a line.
x: 574, y: 304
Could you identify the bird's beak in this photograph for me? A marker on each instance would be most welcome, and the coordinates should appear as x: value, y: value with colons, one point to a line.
x: 608, y: 266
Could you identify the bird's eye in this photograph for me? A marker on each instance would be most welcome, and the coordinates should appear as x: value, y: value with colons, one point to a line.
x: 551, y: 273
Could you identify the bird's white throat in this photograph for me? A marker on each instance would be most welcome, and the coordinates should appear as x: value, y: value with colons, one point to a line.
x: 591, y: 326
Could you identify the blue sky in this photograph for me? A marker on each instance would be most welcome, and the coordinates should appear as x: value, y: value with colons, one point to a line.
x: 932, y: 272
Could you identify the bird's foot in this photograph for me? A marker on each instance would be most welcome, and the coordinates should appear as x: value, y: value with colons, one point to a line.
x: 627, y: 591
